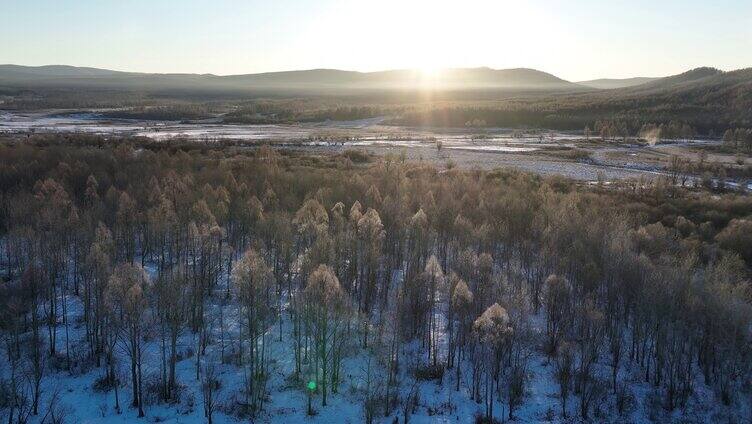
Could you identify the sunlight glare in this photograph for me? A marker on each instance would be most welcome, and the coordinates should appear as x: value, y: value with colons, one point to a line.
x: 429, y: 74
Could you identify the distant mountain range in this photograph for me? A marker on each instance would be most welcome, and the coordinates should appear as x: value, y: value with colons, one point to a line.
x: 323, y: 81
x: 307, y: 81
x: 326, y: 80
x: 704, y: 97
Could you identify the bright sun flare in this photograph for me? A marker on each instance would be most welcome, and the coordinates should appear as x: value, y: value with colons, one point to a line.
x: 429, y: 76
x: 429, y: 71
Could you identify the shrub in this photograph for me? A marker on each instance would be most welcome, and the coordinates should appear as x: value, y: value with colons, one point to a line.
x: 357, y: 155
x: 482, y: 419
x: 103, y: 384
x: 430, y: 372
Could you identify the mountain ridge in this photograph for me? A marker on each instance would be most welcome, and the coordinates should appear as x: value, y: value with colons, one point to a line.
x: 706, y: 98
x: 612, y: 83
x: 320, y: 78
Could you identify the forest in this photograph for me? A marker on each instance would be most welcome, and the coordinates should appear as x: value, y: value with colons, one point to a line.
x: 166, y: 277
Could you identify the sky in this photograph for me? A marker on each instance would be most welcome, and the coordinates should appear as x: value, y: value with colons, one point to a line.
x: 573, y: 39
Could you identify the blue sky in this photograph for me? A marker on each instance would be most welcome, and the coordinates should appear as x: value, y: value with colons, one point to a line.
x: 573, y: 39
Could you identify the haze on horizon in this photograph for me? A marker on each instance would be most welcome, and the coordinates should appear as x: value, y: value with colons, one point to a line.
x: 580, y: 40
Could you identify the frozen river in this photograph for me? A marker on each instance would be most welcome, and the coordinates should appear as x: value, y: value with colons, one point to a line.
x: 368, y: 132
x: 466, y: 148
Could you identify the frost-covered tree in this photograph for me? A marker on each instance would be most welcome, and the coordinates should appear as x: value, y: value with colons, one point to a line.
x: 99, y: 267
x: 492, y: 331
x: 253, y: 281
x: 326, y: 311
x: 210, y: 385
x: 171, y: 292
x: 590, y: 336
x: 564, y: 373
x: 558, y: 304
x: 434, y: 277
x: 56, y: 215
x: 32, y: 282
x: 126, y: 222
x: 311, y: 219
x: 127, y: 297
x: 371, y: 237
x: 459, y: 317
x: 418, y: 243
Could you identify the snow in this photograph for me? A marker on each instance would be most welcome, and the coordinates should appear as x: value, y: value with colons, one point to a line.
x: 368, y: 132
x: 287, y: 401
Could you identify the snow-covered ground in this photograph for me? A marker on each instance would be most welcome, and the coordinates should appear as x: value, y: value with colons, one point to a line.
x: 287, y: 400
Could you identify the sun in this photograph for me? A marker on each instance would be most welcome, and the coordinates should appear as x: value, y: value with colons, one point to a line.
x: 429, y: 71
x: 429, y: 75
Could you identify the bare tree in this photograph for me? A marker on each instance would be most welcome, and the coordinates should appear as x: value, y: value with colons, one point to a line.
x: 172, y: 292
x: 325, y: 311
x: 564, y: 373
x: 492, y: 330
x: 209, y: 387
x: 32, y: 281
x: 128, y: 283
x: 253, y: 281
x: 460, y: 309
x: 435, y: 278
x: 557, y: 299
x: 590, y: 339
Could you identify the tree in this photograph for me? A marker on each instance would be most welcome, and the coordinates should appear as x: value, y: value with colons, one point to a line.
x: 435, y: 278
x: 126, y: 224
x: 460, y: 310
x: 564, y: 373
x: 557, y: 300
x: 253, y: 281
x: 590, y: 338
x: 32, y: 287
x: 311, y: 219
x: 171, y: 306
x: 417, y: 243
x: 204, y: 261
x: 517, y: 375
x: 737, y: 237
x: 728, y: 137
x: 162, y: 224
x: 492, y: 330
x: 56, y: 215
x: 326, y: 308
x: 371, y: 237
x: 99, y: 266
x: 12, y: 311
x: 209, y: 387
x: 128, y: 299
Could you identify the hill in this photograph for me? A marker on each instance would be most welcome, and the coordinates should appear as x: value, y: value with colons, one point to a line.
x: 705, y: 98
x: 315, y: 81
x: 611, y: 83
